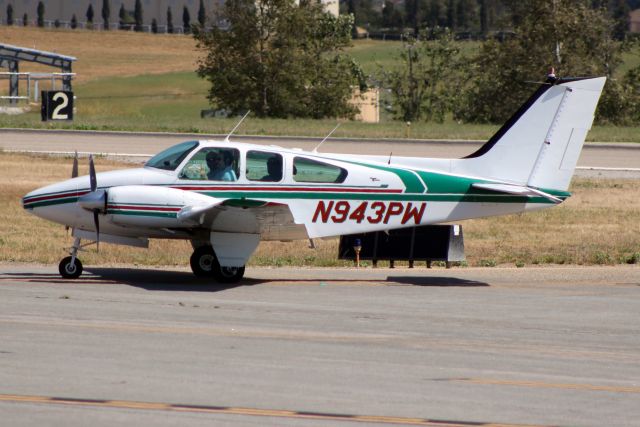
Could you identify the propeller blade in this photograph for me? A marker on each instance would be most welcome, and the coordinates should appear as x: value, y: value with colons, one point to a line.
x: 96, y: 221
x: 74, y: 171
x: 92, y: 174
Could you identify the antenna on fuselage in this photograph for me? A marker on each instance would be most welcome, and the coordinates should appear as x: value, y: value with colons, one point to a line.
x: 315, y: 150
x: 236, y: 127
x: 389, y: 161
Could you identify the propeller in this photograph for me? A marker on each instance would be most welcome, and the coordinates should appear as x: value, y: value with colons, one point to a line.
x: 95, y: 201
x: 74, y: 174
x: 74, y: 171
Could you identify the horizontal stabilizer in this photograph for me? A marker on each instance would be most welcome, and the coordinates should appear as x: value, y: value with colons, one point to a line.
x: 516, y: 189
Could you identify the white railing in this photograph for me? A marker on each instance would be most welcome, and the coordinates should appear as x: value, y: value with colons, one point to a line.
x: 34, y: 78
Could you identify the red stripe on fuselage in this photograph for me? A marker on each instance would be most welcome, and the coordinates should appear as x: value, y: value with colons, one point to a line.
x: 277, y: 189
x: 144, y: 208
x: 56, y: 196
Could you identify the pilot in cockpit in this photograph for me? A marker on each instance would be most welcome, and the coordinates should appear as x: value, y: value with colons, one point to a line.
x: 220, y: 166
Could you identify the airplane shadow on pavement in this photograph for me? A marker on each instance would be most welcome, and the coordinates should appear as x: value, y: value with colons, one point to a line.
x: 157, y: 280
x: 162, y: 280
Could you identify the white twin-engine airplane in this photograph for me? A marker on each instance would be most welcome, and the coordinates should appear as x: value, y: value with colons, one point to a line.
x: 225, y: 197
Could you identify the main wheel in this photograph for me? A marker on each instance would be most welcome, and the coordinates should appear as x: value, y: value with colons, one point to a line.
x: 70, y: 270
x: 203, y: 261
x: 228, y: 274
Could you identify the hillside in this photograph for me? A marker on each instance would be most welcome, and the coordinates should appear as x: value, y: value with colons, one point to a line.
x: 107, y: 53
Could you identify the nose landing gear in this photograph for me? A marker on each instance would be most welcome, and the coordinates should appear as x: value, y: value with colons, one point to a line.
x: 71, y: 267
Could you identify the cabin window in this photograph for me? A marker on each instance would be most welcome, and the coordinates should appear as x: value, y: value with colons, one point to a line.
x: 213, y: 164
x: 264, y: 166
x: 171, y: 158
x: 307, y: 170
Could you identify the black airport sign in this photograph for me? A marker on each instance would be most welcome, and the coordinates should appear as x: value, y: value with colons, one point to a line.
x: 57, y: 105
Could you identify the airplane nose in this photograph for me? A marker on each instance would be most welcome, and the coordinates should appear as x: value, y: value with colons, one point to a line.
x: 56, y: 202
x: 33, y: 199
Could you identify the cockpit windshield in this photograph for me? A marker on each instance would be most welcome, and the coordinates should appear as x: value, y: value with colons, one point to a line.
x: 171, y: 158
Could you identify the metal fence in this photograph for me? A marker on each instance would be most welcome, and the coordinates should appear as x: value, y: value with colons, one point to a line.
x: 35, y: 81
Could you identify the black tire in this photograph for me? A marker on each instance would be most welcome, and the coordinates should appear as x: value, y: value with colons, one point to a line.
x: 68, y: 270
x: 228, y: 274
x: 204, y: 262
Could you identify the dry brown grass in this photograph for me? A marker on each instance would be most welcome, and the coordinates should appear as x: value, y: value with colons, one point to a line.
x: 598, y: 225
x: 107, y: 53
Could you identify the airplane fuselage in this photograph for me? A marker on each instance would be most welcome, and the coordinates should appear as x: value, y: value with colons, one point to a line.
x: 374, y: 195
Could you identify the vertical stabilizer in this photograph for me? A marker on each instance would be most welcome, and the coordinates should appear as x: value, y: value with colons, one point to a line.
x: 540, y: 145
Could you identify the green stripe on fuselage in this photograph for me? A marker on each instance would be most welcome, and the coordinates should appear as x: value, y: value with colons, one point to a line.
x: 488, y: 197
x: 411, y: 181
x: 50, y: 202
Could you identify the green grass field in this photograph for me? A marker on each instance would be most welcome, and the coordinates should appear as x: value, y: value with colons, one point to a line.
x: 171, y: 102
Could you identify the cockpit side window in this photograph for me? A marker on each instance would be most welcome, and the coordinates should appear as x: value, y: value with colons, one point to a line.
x: 171, y: 158
x: 264, y: 166
x: 212, y: 164
x: 307, y: 170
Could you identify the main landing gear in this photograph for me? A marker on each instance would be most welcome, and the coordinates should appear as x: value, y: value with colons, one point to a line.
x: 204, y: 263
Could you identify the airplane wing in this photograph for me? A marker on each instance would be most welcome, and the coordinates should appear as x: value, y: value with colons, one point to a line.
x: 273, y: 221
x: 517, y: 190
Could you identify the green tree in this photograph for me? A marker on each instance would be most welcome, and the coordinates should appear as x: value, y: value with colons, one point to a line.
x: 468, y: 16
x: 565, y: 34
x: 169, y: 20
x: 25, y: 20
x: 186, y: 20
x: 74, y: 22
x: 106, y: 13
x: 154, y: 26
x: 391, y: 16
x: 202, y: 14
x: 435, y: 14
x: 452, y: 16
x: 123, y: 15
x: 484, y: 17
x: 620, y: 14
x: 137, y: 14
x: 278, y: 59
x: 40, y: 12
x: 413, y: 12
x: 89, y: 14
x: 9, y: 14
x: 423, y: 87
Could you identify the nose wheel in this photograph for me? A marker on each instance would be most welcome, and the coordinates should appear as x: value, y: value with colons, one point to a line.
x: 204, y: 263
x: 71, y: 267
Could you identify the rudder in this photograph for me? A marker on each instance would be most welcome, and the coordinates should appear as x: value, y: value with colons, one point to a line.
x: 558, y: 155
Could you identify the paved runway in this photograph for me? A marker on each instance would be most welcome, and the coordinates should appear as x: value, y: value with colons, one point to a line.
x: 593, y: 155
x: 319, y: 347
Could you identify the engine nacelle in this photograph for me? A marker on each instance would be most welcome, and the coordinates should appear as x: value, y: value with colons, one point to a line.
x: 148, y: 206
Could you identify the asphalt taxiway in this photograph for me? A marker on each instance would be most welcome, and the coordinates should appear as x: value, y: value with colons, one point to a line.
x: 319, y: 347
x: 612, y: 160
